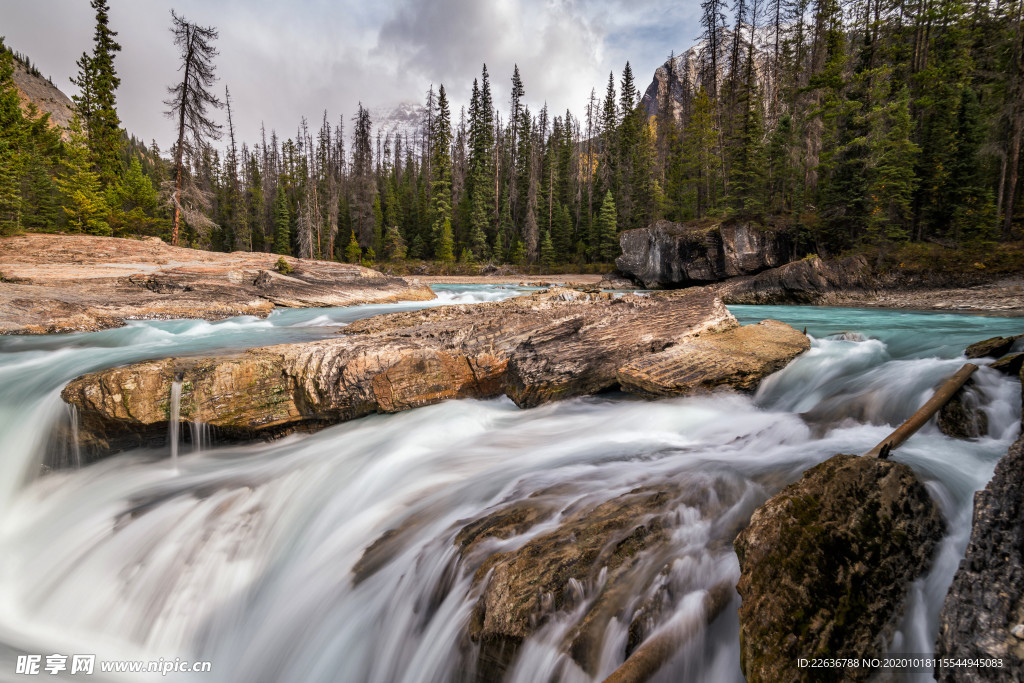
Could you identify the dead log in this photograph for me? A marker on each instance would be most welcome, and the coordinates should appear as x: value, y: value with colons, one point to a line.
x: 657, y: 650
x: 941, y: 397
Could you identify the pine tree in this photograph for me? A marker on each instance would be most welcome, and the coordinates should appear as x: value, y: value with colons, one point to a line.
x: 445, y: 250
x: 97, y: 102
x: 547, y: 251
x: 282, y: 224
x: 441, y: 181
x: 84, y: 205
x: 607, y: 230
x: 394, y: 245
x: 353, y: 253
x: 12, y: 134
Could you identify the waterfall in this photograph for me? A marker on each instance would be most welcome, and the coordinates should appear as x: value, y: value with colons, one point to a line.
x: 76, y: 451
x: 250, y: 558
x: 174, y: 425
x: 201, y: 435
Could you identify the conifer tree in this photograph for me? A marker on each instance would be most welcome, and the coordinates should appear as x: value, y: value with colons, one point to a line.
x: 282, y: 224
x: 11, y: 147
x: 607, y: 230
x: 441, y: 181
x: 353, y: 253
x: 84, y: 206
x: 97, y: 102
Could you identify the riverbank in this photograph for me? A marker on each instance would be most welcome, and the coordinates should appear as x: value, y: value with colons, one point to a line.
x: 80, y: 283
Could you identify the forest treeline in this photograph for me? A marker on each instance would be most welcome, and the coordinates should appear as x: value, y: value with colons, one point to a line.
x: 855, y: 122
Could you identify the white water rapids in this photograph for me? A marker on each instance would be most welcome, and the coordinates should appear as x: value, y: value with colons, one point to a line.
x: 244, y: 555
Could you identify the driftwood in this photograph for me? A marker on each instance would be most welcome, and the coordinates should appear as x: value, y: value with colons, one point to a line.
x: 657, y: 650
x: 941, y: 397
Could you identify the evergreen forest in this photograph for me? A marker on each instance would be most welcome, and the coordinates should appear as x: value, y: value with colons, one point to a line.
x: 853, y: 122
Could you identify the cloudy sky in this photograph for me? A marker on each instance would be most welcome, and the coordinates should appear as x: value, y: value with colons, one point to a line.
x: 285, y: 60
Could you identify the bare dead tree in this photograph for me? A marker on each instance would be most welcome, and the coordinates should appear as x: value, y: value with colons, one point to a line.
x: 190, y: 100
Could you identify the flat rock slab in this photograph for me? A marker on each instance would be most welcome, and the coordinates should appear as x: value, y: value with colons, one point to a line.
x: 554, y: 344
x: 825, y: 565
x: 985, y: 603
x: 80, y: 283
x: 738, y: 358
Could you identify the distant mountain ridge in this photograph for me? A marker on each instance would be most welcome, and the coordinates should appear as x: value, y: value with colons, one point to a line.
x: 689, y: 70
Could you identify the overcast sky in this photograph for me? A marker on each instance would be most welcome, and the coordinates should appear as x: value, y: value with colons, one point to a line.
x: 285, y: 60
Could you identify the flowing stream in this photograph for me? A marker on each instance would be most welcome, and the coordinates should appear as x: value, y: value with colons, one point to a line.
x: 242, y: 555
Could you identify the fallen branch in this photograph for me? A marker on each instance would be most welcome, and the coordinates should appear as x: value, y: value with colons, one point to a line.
x: 941, y: 397
x: 657, y: 650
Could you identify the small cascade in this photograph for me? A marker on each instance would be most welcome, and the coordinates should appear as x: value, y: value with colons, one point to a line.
x: 175, y: 421
x: 76, y: 449
x: 201, y: 435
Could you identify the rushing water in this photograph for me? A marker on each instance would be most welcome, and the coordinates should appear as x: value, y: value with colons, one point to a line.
x: 243, y: 555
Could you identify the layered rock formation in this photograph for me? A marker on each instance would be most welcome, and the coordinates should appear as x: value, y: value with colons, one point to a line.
x: 666, y: 255
x: 79, y: 283
x: 554, y: 344
x: 808, y: 281
x: 825, y: 565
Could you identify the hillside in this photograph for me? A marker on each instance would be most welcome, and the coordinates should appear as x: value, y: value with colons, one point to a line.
x: 47, y: 97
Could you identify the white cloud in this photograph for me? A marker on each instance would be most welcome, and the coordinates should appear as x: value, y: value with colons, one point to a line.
x: 287, y: 60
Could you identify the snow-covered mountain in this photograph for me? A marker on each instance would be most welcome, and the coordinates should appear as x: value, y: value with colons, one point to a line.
x: 404, y: 119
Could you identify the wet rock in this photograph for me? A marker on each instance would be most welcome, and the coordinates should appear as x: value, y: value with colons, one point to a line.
x: 962, y: 417
x: 1010, y: 365
x: 739, y: 358
x: 992, y: 348
x: 666, y: 254
x: 809, y: 281
x: 80, y: 283
x: 825, y: 565
x: 593, y: 555
x: 554, y: 344
x: 985, y: 603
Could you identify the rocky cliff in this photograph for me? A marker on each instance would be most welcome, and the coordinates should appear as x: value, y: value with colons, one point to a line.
x: 667, y: 255
x: 47, y: 97
x: 554, y: 344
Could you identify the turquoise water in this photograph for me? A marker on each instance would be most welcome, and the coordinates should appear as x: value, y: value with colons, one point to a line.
x: 242, y: 555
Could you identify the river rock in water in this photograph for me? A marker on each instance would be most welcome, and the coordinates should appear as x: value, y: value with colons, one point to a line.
x: 992, y: 348
x: 985, y: 603
x: 554, y: 344
x: 961, y: 417
x: 80, y: 283
x: 825, y: 566
x: 808, y: 281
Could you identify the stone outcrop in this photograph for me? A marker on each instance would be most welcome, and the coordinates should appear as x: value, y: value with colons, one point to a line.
x: 995, y: 347
x: 808, y: 281
x: 985, y: 603
x: 665, y: 255
x: 79, y: 283
x: 739, y: 358
x: 554, y: 344
x: 825, y: 566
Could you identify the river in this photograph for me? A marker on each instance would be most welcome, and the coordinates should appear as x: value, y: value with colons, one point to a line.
x: 242, y: 555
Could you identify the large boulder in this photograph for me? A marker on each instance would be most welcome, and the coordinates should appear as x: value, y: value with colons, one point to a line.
x: 666, y: 254
x: 983, y: 615
x: 825, y: 565
x: 808, y: 281
x: 554, y: 344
